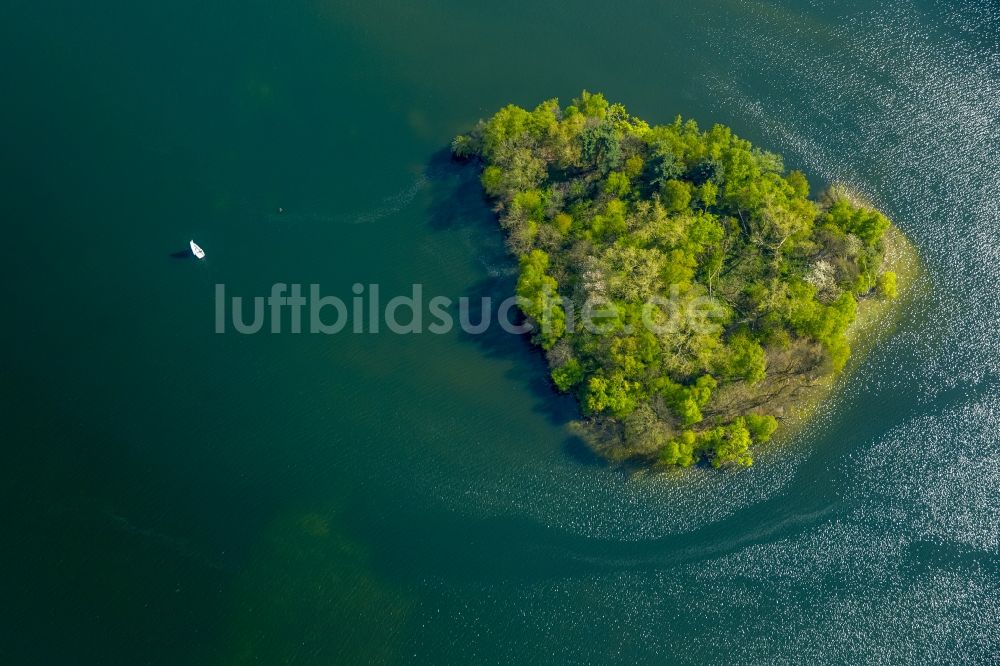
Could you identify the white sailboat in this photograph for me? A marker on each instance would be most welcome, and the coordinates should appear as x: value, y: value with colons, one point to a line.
x: 197, y: 251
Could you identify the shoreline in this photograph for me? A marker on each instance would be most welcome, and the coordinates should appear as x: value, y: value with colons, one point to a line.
x: 875, y: 321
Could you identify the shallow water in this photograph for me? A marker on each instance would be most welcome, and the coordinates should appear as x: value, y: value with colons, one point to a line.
x: 175, y: 496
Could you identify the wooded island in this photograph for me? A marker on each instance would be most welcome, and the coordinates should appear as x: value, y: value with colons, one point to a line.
x: 722, y: 292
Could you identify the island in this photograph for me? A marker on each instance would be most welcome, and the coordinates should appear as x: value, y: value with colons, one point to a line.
x: 682, y: 284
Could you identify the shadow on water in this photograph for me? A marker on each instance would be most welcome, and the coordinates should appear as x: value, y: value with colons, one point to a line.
x: 456, y: 196
x: 181, y: 255
x: 458, y: 204
x: 577, y: 450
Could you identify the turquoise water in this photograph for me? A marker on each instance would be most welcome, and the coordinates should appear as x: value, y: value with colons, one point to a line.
x: 175, y: 496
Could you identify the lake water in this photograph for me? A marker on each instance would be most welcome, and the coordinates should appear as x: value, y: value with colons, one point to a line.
x: 174, y: 496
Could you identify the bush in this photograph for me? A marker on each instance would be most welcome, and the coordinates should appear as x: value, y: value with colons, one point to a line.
x: 887, y: 285
x: 602, y: 208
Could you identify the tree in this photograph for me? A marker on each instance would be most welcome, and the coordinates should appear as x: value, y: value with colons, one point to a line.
x: 492, y: 180
x: 887, y: 285
x: 744, y: 359
x: 687, y: 401
x: 617, y: 184
x: 563, y: 222
x: 591, y: 105
x: 676, y: 196
x: 644, y: 432
x: 865, y: 223
x: 664, y: 162
x: 567, y: 375
x: 634, y: 166
x: 613, y: 394
x: 727, y: 290
x: 538, y: 298
x: 633, y: 272
x: 799, y: 183
x: 681, y: 450
x: 601, y: 146
x: 731, y: 444
x: 760, y: 426
x: 508, y: 126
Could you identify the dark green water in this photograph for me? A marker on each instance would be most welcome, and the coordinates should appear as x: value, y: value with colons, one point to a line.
x: 173, y: 496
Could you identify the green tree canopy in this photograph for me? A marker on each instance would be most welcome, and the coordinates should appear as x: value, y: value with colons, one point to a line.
x: 728, y: 287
